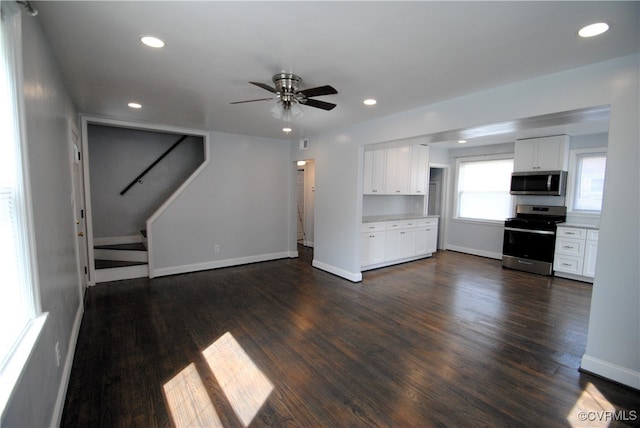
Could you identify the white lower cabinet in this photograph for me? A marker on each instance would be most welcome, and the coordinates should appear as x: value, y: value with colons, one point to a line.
x: 373, y: 243
x: 427, y: 236
x: 390, y: 242
x: 575, y: 253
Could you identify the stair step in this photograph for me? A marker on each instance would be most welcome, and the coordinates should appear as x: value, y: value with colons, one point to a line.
x: 121, y: 255
x: 124, y: 272
x: 136, y: 246
x: 108, y: 264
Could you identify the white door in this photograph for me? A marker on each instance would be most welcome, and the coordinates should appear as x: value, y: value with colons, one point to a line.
x: 79, y: 213
x: 300, y: 205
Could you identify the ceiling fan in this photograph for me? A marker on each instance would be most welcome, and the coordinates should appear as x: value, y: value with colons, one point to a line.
x: 288, y: 95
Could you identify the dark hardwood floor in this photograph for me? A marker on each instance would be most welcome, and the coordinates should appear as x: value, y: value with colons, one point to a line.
x: 455, y: 340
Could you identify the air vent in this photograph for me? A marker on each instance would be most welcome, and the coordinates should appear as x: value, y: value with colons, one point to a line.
x: 304, y: 144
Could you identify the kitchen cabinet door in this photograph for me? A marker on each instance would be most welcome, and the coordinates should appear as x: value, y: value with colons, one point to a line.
x: 524, y: 157
x: 542, y: 154
x: 398, y: 170
x: 427, y: 237
x: 373, y: 247
x: 419, y: 169
x: 590, y: 253
x: 374, y: 172
x: 553, y: 154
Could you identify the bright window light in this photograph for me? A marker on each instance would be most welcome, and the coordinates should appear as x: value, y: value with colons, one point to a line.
x: 483, y: 189
x: 589, y: 181
x: 244, y: 385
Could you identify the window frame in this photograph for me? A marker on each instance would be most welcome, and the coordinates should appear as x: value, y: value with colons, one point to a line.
x: 456, y: 201
x: 15, y: 360
x: 574, y: 168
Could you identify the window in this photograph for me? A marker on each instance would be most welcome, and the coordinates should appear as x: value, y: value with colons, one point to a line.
x: 483, y: 188
x: 18, y: 304
x: 588, y: 184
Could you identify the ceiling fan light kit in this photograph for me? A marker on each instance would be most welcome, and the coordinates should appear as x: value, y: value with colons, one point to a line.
x: 289, y: 97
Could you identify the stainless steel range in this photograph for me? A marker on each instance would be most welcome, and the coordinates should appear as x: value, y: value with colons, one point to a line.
x: 530, y: 238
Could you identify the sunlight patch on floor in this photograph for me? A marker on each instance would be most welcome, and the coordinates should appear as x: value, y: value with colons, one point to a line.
x: 592, y: 409
x: 244, y: 385
x: 188, y: 401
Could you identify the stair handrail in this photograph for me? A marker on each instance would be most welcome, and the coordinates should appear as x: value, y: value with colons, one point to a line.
x: 150, y: 167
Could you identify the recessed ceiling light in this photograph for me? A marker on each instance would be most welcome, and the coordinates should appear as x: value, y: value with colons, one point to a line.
x: 370, y: 102
x: 301, y: 163
x: 462, y: 141
x: 135, y: 105
x: 153, y: 42
x: 286, y: 129
x: 593, y: 29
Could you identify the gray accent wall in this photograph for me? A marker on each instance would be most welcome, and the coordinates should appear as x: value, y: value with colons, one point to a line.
x: 116, y: 157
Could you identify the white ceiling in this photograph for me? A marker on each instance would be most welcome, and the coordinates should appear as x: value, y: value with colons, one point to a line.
x: 404, y: 54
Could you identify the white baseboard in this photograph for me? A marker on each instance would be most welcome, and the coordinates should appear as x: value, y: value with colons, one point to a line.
x: 115, y: 240
x: 56, y: 417
x: 611, y: 371
x: 216, y: 264
x: 475, y: 252
x: 351, y: 276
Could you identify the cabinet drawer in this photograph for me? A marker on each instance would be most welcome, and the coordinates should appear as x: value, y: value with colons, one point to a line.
x: 401, y: 224
x: 427, y: 222
x: 572, y: 232
x: 593, y: 235
x: 570, y: 246
x: 568, y: 264
x: 372, y: 227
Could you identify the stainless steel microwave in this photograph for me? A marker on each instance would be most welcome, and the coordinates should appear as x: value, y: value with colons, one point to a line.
x: 552, y: 183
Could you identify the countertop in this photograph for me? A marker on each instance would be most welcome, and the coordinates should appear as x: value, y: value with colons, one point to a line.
x: 579, y: 226
x: 393, y: 217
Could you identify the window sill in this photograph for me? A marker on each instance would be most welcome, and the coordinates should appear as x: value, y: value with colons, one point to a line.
x: 496, y: 223
x: 12, y: 371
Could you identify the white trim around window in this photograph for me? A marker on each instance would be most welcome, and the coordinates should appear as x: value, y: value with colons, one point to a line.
x: 574, y: 175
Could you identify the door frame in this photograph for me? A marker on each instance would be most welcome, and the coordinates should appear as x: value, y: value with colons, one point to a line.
x: 443, y: 221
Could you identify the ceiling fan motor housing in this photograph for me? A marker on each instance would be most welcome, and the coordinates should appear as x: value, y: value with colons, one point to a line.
x: 287, y: 84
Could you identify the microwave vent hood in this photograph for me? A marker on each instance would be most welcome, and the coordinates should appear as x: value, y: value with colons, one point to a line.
x: 548, y: 183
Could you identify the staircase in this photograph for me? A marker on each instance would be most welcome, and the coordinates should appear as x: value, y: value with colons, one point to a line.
x: 115, y: 262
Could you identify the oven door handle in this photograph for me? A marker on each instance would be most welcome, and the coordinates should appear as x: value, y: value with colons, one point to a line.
x: 538, y: 232
x: 549, y: 182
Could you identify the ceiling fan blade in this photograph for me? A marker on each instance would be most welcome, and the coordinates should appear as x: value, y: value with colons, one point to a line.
x: 318, y: 104
x: 320, y: 90
x: 250, y: 101
x: 265, y: 86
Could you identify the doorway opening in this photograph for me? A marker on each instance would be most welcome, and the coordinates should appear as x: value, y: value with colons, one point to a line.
x: 305, y: 202
x: 437, y: 203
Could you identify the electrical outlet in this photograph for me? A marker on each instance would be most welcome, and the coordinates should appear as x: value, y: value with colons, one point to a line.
x: 216, y: 248
x: 57, y: 349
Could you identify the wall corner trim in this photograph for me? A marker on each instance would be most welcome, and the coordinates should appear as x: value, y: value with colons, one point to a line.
x: 611, y: 371
x: 351, y: 276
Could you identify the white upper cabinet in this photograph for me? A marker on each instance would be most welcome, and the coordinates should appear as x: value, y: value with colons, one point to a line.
x: 419, y: 169
x: 374, y: 171
x: 542, y: 154
x: 396, y: 171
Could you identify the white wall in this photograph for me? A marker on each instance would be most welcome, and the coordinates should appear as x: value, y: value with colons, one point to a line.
x: 614, y: 331
x: 473, y: 237
x: 240, y: 202
x: 39, y: 395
